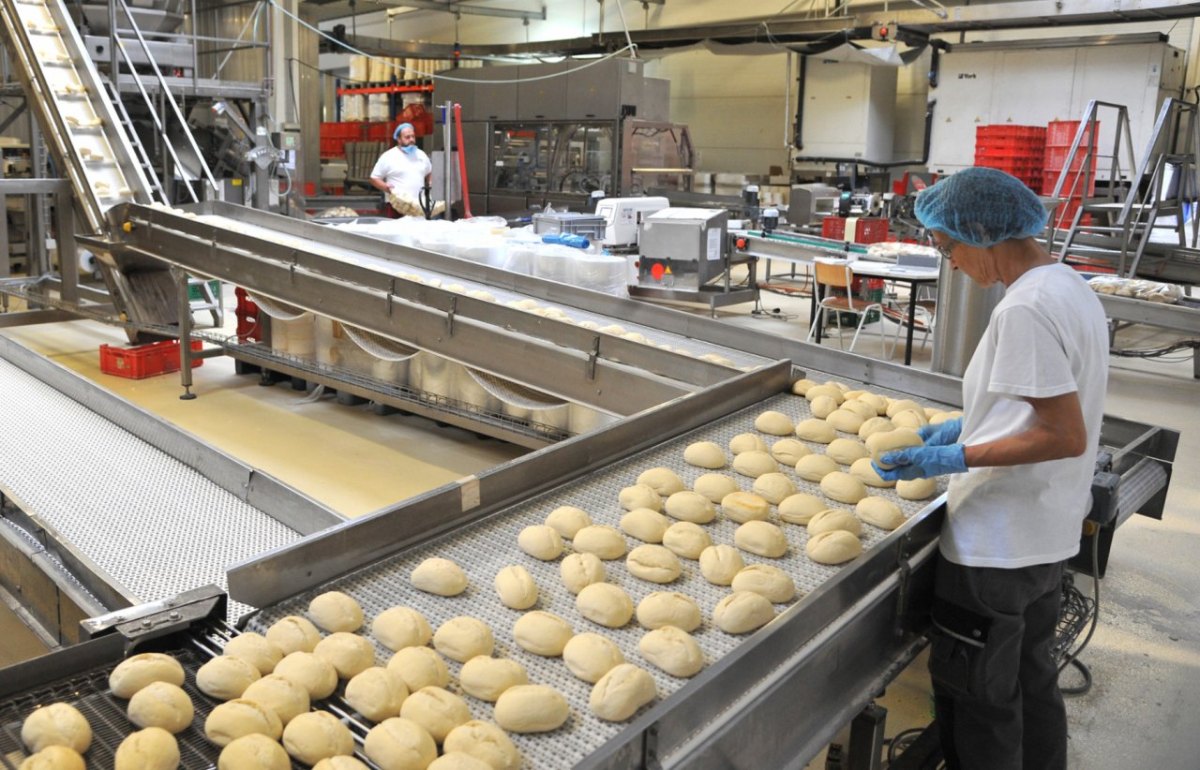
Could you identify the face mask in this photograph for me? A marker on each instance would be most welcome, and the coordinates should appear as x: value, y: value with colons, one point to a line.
x: 409, y: 149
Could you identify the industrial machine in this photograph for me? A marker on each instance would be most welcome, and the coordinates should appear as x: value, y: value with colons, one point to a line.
x: 623, y: 218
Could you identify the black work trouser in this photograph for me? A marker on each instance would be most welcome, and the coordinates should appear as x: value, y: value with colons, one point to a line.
x: 995, y: 682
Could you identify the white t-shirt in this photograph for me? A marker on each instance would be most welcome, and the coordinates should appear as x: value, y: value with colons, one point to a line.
x: 405, y: 174
x: 1047, y: 336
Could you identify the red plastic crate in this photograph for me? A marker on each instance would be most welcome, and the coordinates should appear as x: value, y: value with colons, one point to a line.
x: 868, y: 230
x: 1071, y: 186
x: 346, y: 131
x: 1056, y: 157
x: 1060, y: 133
x: 1008, y: 131
x: 142, y: 361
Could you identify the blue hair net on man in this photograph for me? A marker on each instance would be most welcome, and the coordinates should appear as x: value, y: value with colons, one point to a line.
x: 981, y: 207
x: 399, y: 128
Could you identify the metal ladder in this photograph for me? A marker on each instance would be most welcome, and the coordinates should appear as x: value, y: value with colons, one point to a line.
x: 143, y: 159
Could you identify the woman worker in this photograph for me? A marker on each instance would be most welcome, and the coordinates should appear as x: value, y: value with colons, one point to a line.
x: 1023, y: 456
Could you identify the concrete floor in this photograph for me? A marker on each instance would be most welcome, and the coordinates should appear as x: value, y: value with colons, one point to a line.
x: 1145, y: 656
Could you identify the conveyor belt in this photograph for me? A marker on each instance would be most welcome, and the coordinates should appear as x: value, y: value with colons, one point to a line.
x: 485, y: 547
x: 151, y: 524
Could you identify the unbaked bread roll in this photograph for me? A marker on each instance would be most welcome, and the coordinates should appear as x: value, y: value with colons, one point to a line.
x: 463, y: 637
x: 226, y: 678
x: 542, y: 633
x: 843, y: 487
x: 664, y: 481
x: 439, y: 576
x: 745, y: 506
x: 566, y: 520
x: 655, y: 563
x: 916, y: 489
x: 691, y: 506
x: 58, y: 724
x: 686, y: 539
x: 902, y: 405
x: 800, y: 387
x: 377, y: 693
x: 335, y: 611
x: 882, y: 443
x: 800, y: 508
x: 823, y: 406
x: 516, y: 587
x: 485, y: 677
x: 875, y: 425
x: 834, y: 518
x: 673, y: 650
x: 621, y: 692
x: 640, y: 496
x: 134, y: 673
x: 531, y: 708
x: 774, y: 423
x: 833, y: 391
x: 816, y: 430
x: 458, y: 760
x: 606, y: 604
x: 541, y: 542
x: 62, y: 758
x: 742, y: 611
x: 317, y: 735
x: 941, y: 417
x: 150, y: 749
x: 437, y: 710
x: 788, y: 451
x: 399, y: 744
x: 400, y: 627
x: 255, y: 650
x: 315, y: 674
x: 816, y: 467
x: 746, y: 442
x: 719, y: 563
x: 755, y: 463
x: 846, y: 450
x: 833, y: 547
x: 253, y: 752
x: 845, y: 420
x: 774, y: 487
x: 761, y: 538
x: 419, y: 667
x: 293, y: 634
x: 768, y: 581
x: 909, y: 418
x: 349, y: 654
x: 668, y: 608
x: 600, y: 539
x: 590, y: 656
x: 715, y: 486
x: 161, y: 704
x: 861, y: 408
x: 704, y: 454
x: 879, y: 512
x: 286, y: 698
x: 865, y: 472
x: 644, y: 524
x: 340, y: 763
x: 484, y: 741
x: 240, y: 717
x: 581, y: 569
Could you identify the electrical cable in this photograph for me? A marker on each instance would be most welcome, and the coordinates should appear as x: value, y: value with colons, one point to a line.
x: 1156, y: 352
x: 1072, y: 658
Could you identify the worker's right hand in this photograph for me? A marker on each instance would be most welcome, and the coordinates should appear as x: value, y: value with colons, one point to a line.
x: 922, y: 462
x: 941, y: 434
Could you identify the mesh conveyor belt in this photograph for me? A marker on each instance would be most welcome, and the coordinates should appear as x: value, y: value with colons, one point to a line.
x: 503, y: 296
x: 36, y: 547
x: 486, y: 546
x: 156, y: 526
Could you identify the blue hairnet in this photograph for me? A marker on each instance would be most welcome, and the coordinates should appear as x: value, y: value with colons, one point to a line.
x: 399, y: 128
x: 981, y: 207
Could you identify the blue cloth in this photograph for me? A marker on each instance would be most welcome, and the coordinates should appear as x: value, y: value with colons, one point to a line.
x: 981, y: 207
x: 399, y: 128
x: 940, y: 435
x: 409, y: 149
x: 567, y: 239
x: 922, y: 462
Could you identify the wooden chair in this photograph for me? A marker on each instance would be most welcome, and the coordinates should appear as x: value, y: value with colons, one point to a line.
x: 836, y: 282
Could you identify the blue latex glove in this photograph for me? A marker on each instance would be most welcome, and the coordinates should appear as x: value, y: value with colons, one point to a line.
x: 922, y: 462
x: 941, y: 435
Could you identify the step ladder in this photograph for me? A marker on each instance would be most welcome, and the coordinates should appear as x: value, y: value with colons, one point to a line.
x: 143, y: 159
x: 1161, y: 185
x: 212, y: 302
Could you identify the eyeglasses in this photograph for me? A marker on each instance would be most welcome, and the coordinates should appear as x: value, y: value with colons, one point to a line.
x: 943, y: 248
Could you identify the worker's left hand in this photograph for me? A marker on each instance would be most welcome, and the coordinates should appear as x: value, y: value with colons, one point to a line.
x: 922, y: 462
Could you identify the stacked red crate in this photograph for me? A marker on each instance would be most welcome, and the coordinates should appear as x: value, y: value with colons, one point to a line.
x: 1017, y: 150
x: 869, y: 230
x: 1060, y: 134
